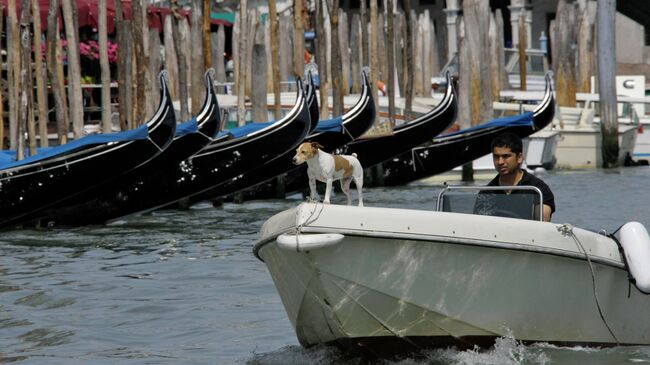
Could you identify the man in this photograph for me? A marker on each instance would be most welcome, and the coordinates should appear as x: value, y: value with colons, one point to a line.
x: 507, y: 154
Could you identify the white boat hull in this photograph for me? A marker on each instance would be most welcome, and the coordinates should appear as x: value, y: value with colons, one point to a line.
x: 579, y: 146
x: 401, y: 280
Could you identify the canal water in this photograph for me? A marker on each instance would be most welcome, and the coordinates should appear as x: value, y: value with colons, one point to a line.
x: 182, y: 287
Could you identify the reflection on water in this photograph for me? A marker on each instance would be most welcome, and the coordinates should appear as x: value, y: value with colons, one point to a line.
x: 182, y: 287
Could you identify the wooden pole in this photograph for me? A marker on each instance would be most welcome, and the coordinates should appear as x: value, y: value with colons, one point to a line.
x: 606, y: 17
x: 374, y: 69
x: 55, y: 71
x: 179, y: 38
x: 408, y: 61
x: 363, y: 14
x: 298, y: 39
x: 151, y: 83
x: 585, y: 41
x: 476, y: 16
x: 241, y: 77
x: 321, y: 55
x: 355, y: 54
x: 563, y: 57
x: 207, y: 41
x: 464, y: 89
x: 522, y: 53
x: 253, y: 24
x: 105, y: 69
x: 75, y: 97
x: 390, y: 54
x: 41, y: 76
x: 381, y: 48
x: 171, y: 61
x: 266, y: 26
x: 275, y: 54
x: 198, y: 60
x: 13, y: 68
x: 337, y: 93
x: 140, y: 62
x: 343, y: 37
x: 258, y: 67
x: 418, y: 43
x: 26, y: 88
x: 155, y: 65
x: 220, y: 46
x: 123, y: 71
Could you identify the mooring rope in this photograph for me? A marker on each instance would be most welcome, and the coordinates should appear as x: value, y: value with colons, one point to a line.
x: 310, y: 219
x: 567, y: 230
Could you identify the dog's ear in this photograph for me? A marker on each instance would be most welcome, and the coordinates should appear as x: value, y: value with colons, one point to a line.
x: 316, y: 145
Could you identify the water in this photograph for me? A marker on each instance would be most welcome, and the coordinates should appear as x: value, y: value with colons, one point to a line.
x: 182, y: 287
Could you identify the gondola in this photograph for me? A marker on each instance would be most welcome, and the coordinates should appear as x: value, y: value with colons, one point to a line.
x: 105, y: 202
x: 331, y: 134
x: 374, y: 150
x: 455, y: 149
x: 371, y: 151
x: 229, y: 154
x: 42, y: 180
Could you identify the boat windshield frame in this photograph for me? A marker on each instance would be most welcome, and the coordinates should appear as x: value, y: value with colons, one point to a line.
x: 448, y: 188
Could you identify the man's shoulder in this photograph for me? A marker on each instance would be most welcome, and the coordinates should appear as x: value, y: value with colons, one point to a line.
x: 531, y: 179
x: 494, y: 182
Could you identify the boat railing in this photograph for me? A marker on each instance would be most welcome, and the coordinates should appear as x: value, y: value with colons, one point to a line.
x: 524, y: 202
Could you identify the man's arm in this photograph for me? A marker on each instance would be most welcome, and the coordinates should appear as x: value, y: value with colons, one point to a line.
x: 547, y: 212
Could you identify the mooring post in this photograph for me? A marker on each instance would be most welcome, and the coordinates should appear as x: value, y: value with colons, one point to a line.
x: 606, y: 81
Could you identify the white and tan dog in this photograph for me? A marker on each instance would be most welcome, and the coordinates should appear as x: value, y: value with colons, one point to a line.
x: 326, y: 167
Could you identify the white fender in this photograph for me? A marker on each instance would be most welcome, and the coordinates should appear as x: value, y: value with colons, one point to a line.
x: 635, y: 240
x: 308, y: 242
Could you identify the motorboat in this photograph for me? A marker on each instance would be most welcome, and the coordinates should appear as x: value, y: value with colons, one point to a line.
x: 126, y: 192
x: 58, y: 173
x: 385, y: 281
x: 450, y: 150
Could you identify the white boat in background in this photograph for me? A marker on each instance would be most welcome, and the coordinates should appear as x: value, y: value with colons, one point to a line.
x: 578, y: 143
x: 386, y: 281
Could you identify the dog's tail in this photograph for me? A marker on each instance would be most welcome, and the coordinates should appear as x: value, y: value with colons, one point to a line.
x: 354, y: 155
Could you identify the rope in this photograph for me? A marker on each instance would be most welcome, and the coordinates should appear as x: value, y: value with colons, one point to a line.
x: 567, y: 230
x: 307, y: 221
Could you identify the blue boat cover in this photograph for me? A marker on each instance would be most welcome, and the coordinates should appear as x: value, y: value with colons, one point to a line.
x: 191, y: 126
x: 521, y: 120
x: 8, y: 157
x: 330, y: 125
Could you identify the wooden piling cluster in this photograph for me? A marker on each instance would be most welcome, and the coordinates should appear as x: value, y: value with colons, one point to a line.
x: 398, y: 46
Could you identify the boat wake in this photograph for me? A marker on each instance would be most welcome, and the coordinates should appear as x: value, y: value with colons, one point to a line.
x: 506, y: 351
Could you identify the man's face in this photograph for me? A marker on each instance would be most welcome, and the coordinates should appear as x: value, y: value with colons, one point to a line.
x: 506, y: 162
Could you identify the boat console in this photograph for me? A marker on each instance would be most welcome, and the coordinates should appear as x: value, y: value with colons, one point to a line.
x: 522, y: 202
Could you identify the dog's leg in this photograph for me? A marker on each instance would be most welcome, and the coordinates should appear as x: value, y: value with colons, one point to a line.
x: 328, y: 191
x: 345, y: 186
x: 313, y: 193
x: 358, y: 181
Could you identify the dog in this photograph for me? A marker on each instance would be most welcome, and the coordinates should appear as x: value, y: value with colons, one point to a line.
x: 326, y: 167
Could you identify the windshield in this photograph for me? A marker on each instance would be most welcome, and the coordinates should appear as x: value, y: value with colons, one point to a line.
x: 521, y: 202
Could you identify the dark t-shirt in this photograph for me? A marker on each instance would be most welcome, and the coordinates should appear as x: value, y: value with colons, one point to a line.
x: 531, y: 180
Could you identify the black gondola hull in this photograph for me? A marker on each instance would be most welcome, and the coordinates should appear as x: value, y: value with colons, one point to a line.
x: 356, y: 122
x: 101, y: 205
x: 34, y: 189
x: 445, y: 153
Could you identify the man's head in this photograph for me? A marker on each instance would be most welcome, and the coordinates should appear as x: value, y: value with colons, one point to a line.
x: 507, y: 153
